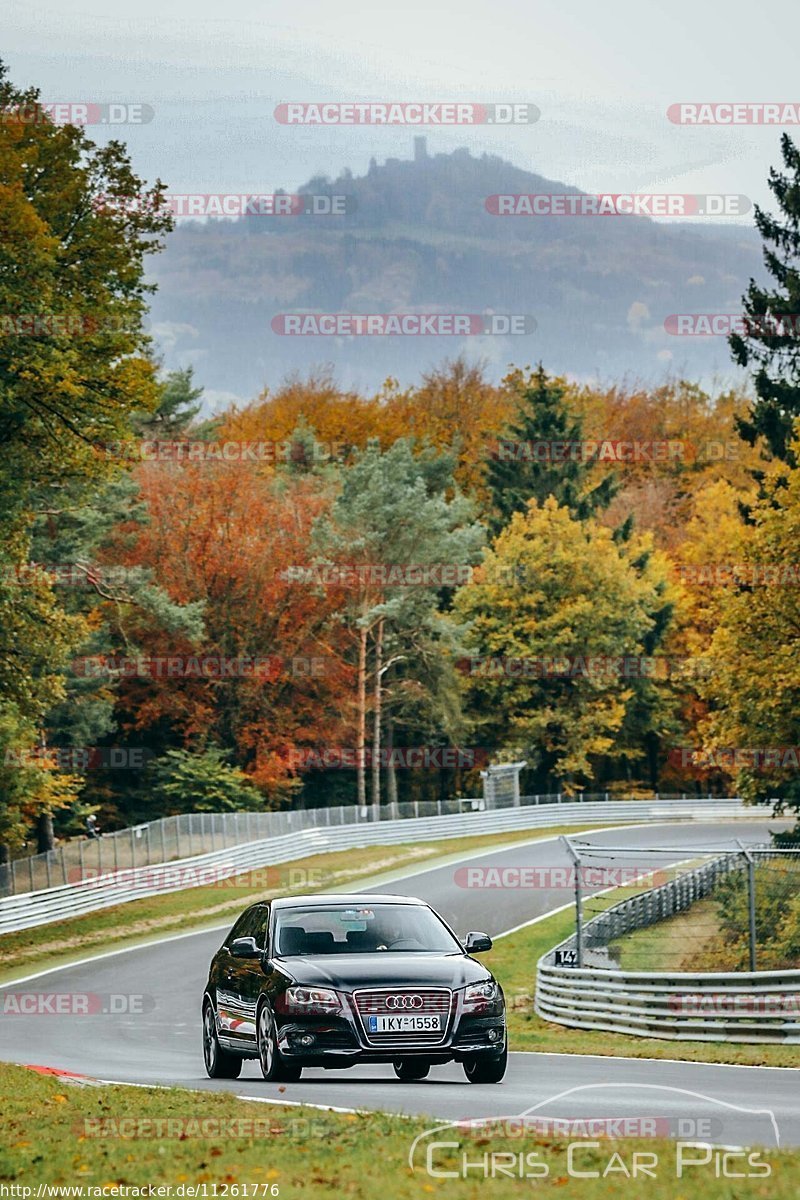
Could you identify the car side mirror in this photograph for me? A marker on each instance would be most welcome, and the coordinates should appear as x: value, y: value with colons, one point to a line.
x: 476, y: 943
x: 245, y: 947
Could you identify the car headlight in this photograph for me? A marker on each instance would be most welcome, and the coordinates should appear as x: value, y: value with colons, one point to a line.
x: 481, y: 997
x: 309, y: 1000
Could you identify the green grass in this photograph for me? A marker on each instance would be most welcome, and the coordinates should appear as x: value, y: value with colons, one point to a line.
x: 50, y: 1136
x: 671, y: 945
x: 194, y: 908
x: 513, y: 960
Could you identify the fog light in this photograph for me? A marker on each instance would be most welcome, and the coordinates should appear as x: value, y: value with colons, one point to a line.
x: 494, y: 1034
x: 307, y: 1039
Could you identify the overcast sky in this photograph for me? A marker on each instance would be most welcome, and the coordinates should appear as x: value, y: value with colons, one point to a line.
x: 602, y: 76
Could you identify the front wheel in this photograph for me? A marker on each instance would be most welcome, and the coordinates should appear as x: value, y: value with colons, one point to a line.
x: 273, y: 1065
x: 407, y: 1069
x: 219, y: 1063
x: 484, y: 1068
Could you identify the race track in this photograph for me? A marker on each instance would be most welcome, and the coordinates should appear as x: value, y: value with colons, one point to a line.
x: 162, y: 1044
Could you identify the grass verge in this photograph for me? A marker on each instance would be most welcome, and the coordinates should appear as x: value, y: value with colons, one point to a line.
x: 57, y: 1134
x: 671, y: 945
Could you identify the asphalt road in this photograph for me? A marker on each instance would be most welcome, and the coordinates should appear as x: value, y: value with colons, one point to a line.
x: 161, y: 1045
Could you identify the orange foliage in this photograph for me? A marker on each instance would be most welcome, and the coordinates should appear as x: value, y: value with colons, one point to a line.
x: 225, y: 534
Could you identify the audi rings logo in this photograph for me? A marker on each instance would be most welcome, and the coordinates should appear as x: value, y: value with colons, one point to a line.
x: 404, y: 1001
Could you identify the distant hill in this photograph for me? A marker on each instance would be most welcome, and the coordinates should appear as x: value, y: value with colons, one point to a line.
x: 419, y: 238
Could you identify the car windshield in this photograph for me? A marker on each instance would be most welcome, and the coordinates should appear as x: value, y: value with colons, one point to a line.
x: 371, y: 929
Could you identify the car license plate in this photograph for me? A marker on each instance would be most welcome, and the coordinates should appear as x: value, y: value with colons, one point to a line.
x: 404, y: 1024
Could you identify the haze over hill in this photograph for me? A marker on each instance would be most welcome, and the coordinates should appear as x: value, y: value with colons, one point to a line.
x: 417, y: 237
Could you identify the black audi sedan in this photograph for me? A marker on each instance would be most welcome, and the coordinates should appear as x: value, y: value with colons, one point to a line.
x: 331, y: 981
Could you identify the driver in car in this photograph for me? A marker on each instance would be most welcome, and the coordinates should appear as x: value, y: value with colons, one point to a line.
x: 393, y: 936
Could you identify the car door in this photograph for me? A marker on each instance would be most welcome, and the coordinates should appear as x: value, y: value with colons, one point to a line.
x: 250, y: 976
x: 235, y: 1011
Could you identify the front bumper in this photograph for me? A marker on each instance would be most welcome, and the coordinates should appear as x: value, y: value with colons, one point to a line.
x: 340, y: 1040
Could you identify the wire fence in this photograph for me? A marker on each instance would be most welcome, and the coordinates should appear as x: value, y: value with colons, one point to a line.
x: 190, y: 834
x: 738, y: 911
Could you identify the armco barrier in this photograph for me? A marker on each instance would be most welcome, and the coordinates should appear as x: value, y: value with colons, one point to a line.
x: 741, y: 1006
x: 189, y: 834
x: 745, y: 1006
x: 71, y: 900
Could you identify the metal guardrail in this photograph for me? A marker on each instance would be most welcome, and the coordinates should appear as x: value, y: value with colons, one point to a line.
x: 190, y: 834
x: 121, y: 885
x: 742, y: 1006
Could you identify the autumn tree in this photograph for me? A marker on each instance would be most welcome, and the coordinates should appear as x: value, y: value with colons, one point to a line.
x: 74, y: 366
x: 752, y: 683
x: 453, y: 408
x: 234, y: 539
x: 555, y: 595
x: 78, y: 546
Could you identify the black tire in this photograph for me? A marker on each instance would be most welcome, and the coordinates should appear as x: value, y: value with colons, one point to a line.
x: 219, y: 1063
x: 274, y: 1066
x: 407, y: 1069
x: 486, y: 1068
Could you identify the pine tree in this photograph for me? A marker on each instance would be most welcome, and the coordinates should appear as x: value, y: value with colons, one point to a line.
x: 770, y: 347
x: 527, y: 468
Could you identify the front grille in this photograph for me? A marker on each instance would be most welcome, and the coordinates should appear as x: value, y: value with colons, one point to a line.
x: 434, y: 1002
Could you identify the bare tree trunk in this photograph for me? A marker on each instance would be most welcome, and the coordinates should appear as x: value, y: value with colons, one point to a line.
x: 361, y: 739
x: 391, y: 774
x: 376, y: 722
x: 5, y: 867
x: 44, y: 833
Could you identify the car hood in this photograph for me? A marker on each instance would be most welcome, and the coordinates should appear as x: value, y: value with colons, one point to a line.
x: 346, y: 972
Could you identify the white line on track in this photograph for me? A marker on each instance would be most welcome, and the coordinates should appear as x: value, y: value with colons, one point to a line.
x: 420, y: 871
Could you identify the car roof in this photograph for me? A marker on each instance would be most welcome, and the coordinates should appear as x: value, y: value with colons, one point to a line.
x: 356, y: 898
